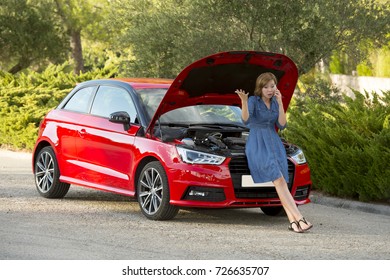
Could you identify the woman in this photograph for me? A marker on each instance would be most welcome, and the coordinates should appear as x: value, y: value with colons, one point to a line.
x: 266, y: 154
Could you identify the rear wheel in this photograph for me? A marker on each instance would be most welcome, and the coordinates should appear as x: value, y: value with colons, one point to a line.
x: 47, y: 174
x: 153, y: 193
x: 272, y: 211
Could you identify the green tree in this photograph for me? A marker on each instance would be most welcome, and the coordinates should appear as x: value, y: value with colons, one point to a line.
x: 77, y: 17
x: 32, y: 31
x: 28, y: 36
x: 180, y: 31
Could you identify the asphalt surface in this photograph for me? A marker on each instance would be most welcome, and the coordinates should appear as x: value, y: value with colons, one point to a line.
x: 93, y: 225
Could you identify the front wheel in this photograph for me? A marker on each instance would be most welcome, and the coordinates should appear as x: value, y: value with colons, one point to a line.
x: 47, y: 174
x: 153, y: 193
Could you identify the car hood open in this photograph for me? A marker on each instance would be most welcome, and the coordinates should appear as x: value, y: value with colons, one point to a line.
x: 214, y: 79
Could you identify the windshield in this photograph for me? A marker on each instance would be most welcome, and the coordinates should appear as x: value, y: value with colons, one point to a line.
x: 191, y: 115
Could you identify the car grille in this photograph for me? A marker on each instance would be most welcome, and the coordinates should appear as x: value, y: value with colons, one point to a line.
x: 239, y: 166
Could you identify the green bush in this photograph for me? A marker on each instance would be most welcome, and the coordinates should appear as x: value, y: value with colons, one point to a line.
x: 346, y: 143
x: 26, y: 98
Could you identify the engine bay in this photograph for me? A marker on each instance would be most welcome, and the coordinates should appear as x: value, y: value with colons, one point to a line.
x: 212, y: 138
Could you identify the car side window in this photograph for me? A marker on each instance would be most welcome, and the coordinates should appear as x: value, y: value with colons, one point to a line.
x: 80, y: 101
x: 113, y: 99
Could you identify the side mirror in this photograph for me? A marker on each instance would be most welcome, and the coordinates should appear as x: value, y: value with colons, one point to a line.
x: 121, y: 117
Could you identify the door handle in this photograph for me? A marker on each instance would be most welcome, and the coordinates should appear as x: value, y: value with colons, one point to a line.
x: 82, y: 132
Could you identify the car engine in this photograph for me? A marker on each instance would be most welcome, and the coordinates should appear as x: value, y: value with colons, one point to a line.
x: 214, y: 139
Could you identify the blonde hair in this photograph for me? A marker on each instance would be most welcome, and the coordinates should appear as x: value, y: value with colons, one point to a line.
x: 262, y: 80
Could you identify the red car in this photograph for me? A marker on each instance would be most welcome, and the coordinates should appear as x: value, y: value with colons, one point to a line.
x: 170, y: 143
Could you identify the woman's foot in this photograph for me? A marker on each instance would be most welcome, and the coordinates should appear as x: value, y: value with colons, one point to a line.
x: 304, y: 225
x: 295, y: 227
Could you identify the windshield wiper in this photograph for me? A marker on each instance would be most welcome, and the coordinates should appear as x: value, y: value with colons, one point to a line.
x: 172, y: 124
x: 219, y: 125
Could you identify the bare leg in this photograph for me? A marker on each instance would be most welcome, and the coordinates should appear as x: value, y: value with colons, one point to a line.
x: 288, y: 203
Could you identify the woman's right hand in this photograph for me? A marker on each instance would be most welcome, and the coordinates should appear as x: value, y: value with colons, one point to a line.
x: 244, y: 101
x: 242, y: 94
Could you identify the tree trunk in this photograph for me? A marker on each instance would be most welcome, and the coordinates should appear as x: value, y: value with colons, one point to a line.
x: 22, y: 64
x: 77, y: 52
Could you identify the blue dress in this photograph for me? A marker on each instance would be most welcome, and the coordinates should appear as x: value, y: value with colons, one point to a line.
x: 264, y: 149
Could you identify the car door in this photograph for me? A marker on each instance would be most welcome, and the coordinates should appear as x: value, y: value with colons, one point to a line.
x: 105, y: 149
x: 68, y: 124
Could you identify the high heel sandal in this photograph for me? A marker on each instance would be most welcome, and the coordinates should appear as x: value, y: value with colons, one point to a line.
x: 303, y: 220
x: 298, y: 230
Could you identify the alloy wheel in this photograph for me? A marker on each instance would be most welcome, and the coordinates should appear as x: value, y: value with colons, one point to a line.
x: 44, y: 174
x: 47, y: 175
x: 151, y: 191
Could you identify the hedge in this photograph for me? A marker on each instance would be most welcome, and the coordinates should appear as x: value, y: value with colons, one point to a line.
x: 346, y: 142
x: 26, y: 98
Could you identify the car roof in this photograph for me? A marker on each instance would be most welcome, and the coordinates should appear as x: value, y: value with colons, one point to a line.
x: 146, y: 82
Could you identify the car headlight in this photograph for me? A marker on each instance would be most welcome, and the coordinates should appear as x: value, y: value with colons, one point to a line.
x: 299, y: 157
x: 195, y: 157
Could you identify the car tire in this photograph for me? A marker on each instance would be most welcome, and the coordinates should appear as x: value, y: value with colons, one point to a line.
x: 153, y: 193
x: 47, y: 174
x: 272, y: 211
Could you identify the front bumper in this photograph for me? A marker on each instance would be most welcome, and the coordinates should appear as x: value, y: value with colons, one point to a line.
x: 220, y: 186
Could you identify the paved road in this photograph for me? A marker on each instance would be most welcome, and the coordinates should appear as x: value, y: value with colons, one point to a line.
x: 92, y: 225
